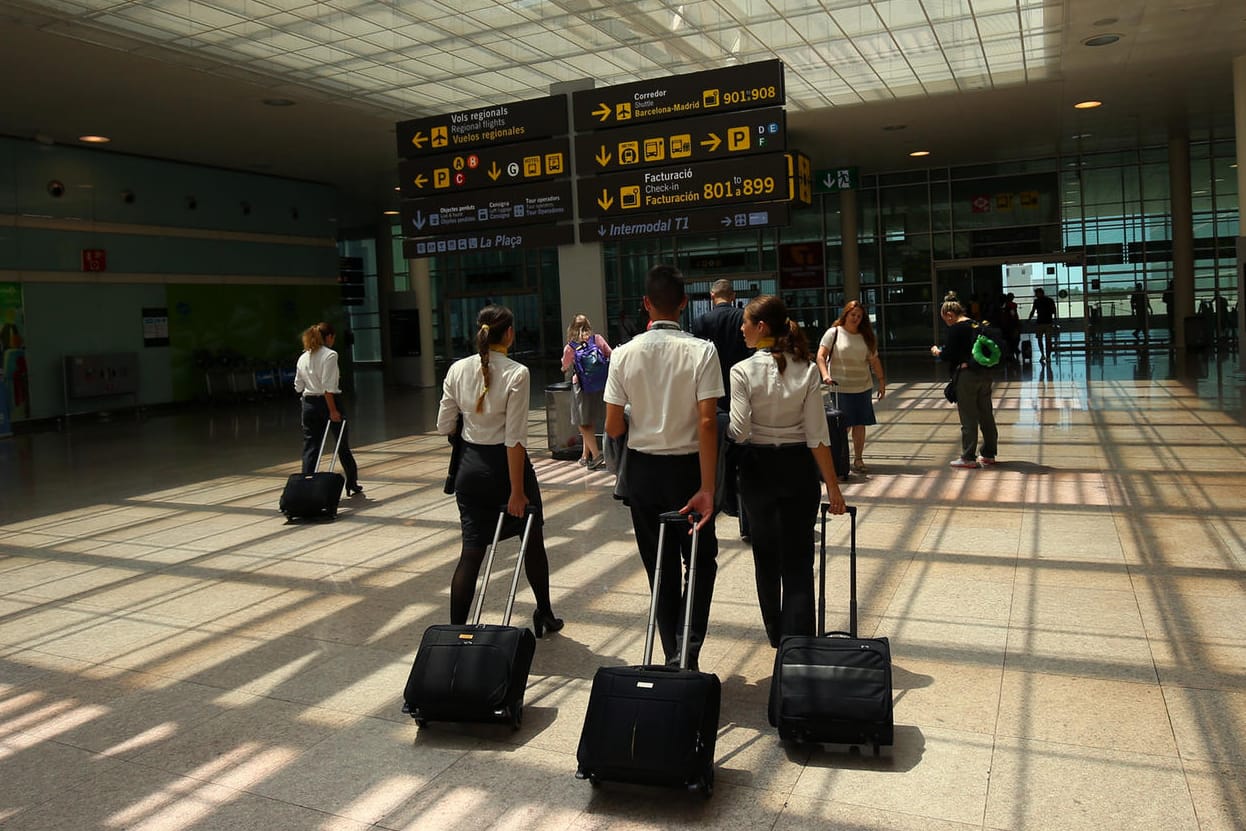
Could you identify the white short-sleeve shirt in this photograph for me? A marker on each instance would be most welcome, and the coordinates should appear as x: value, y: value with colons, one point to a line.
x: 663, y: 374
x: 769, y: 408
x: 504, y: 417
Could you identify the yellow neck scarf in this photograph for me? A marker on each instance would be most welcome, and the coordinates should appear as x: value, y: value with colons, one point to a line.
x: 765, y: 343
x: 497, y: 347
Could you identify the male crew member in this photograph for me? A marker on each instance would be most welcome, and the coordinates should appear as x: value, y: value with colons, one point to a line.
x: 672, y: 381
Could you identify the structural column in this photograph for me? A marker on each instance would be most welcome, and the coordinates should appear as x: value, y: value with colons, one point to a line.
x: 848, y: 240
x: 1182, y: 232
x: 581, y: 273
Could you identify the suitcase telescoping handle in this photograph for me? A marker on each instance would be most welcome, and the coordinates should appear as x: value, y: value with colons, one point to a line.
x: 673, y: 518
x: 529, y: 513
x: 323, y: 439
x: 851, y: 510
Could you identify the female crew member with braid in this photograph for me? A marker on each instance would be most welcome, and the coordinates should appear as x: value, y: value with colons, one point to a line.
x: 491, y: 392
x: 778, y: 418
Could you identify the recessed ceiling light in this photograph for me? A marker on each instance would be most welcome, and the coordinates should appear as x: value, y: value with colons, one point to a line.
x: 918, y: 153
x: 1087, y: 105
x: 279, y: 102
x: 1101, y: 40
x: 389, y: 213
x: 1233, y: 165
x: 1080, y: 136
x: 95, y: 139
x: 1105, y: 21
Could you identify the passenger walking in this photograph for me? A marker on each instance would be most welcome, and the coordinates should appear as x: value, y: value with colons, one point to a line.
x: 847, y: 354
x: 1045, y: 309
x: 491, y: 393
x: 672, y: 382
x: 973, y: 388
x: 587, y: 356
x: 317, y: 380
x: 778, y: 418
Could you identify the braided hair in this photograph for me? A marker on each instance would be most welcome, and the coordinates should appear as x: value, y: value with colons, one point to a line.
x: 492, y: 324
x: 788, y: 337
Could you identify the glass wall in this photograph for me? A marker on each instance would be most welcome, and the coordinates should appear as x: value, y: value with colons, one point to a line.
x: 1090, y: 230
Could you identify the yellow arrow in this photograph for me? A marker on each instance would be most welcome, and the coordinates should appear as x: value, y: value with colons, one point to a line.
x: 495, y: 172
x: 420, y: 180
x: 418, y: 139
x: 712, y: 142
x: 602, y: 112
x: 605, y: 200
x: 603, y: 158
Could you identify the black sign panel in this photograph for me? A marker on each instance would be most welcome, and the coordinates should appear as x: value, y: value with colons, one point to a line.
x: 678, y: 96
x: 476, y: 211
x: 469, y: 129
x: 487, y: 168
x: 690, y: 140
x: 757, y: 179
x: 695, y: 221
x: 531, y: 236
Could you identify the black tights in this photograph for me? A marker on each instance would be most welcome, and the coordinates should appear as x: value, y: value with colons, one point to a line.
x: 463, y: 585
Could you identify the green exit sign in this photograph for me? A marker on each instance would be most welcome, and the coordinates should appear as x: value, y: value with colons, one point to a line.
x: 836, y: 179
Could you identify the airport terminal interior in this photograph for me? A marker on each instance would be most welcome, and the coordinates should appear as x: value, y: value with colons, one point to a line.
x: 1064, y: 626
x: 184, y: 187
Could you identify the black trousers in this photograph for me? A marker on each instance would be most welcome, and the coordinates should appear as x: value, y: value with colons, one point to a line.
x: 781, y: 489
x: 315, y: 417
x: 657, y: 484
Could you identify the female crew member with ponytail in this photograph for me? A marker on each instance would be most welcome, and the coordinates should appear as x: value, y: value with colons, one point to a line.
x: 491, y: 392
x: 316, y: 379
x: 778, y: 418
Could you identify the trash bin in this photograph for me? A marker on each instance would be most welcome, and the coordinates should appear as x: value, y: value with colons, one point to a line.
x: 564, y: 437
x: 1196, y: 332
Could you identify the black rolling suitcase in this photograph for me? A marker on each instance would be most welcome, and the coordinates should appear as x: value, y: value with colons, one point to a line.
x: 653, y: 725
x: 474, y: 672
x: 839, y: 435
x: 315, y: 495
x: 834, y: 688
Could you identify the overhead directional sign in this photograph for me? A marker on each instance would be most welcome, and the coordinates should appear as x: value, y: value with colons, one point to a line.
x: 759, y: 179
x: 837, y: 179
x: 715, y: 90
x: 487, y: 168
x: 690, y: 140
x: 469, y: 129
x: 694, y: 221
x: 507, y: 240
x: 800, y: 175
x: 545, y: 202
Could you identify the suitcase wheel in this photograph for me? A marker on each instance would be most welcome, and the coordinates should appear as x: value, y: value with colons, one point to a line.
x: 517, y: 716
x: 421, y: 723
x: 705, y: 784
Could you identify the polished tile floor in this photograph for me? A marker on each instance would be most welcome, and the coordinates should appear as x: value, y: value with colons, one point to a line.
x: 1068, y: 628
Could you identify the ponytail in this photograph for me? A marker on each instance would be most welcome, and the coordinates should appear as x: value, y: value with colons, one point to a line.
x: 788, y: 337
x: 312, y: 338
x: 494, y: 322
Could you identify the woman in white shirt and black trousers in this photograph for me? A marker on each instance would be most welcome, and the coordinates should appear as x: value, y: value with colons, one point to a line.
x: 316, y: 379
x: 779, y: 421
x: 492, y: 393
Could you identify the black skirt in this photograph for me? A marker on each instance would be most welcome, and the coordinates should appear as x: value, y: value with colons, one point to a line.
x: 482, y: 488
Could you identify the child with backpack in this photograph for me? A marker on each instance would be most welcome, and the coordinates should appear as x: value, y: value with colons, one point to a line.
x: 587, y: 355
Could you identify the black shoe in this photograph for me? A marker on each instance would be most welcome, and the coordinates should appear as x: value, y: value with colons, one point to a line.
x: 543, y: 619
x: 351, y: 490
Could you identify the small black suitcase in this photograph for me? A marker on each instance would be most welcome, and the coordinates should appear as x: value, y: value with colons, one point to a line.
x: 838, y: 436
x: 1027, y: 351
x: 834, y: 688
x: 474, y: 672
x: 315, y: 495
x: 653, y: 725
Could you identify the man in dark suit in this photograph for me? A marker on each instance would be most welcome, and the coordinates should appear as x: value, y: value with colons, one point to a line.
x: 721, y: 324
